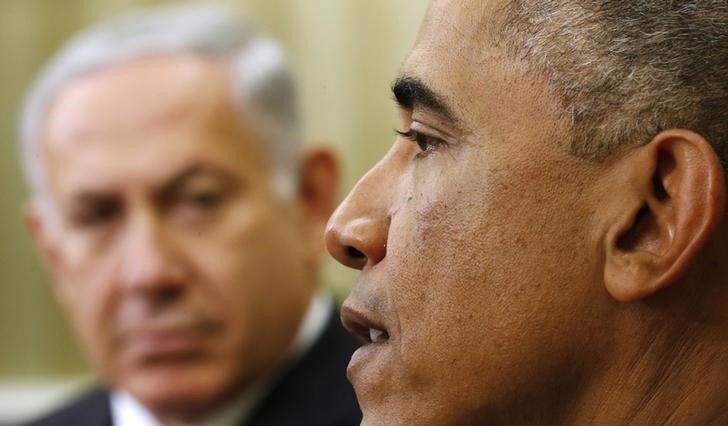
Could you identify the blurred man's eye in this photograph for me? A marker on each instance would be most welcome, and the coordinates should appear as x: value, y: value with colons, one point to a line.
x: 196, y: 195
x: 197, y: 205
x: 96, y: 214
x: 204, y: 200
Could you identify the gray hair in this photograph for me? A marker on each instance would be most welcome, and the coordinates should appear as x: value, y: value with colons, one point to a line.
x: 626, y: 70
x: 263, y: 88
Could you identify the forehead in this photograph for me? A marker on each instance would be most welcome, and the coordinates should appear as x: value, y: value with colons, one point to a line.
x: 462, y: 24
x: 137, y: 96
x: 144, y: 121
x: 456, y: 56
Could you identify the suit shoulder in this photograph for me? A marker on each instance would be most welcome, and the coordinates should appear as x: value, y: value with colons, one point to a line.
x: 91, y: 409
x: 315, y: 390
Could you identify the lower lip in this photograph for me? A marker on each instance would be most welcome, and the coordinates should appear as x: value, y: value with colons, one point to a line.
x: 367, y: 357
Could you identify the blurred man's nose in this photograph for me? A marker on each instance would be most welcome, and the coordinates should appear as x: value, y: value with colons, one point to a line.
x: 357, y: 232
x: 149, y: 264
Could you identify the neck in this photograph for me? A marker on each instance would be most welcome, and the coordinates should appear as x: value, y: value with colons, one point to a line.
x: 668, y: 365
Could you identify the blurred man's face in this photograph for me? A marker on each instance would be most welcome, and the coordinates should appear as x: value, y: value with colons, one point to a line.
x: 478, y: 270
x: 184, y: 274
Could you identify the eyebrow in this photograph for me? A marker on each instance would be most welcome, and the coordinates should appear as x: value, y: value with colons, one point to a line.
x: 410, y: 92
x: 193, y: 172
x: 167, y: 189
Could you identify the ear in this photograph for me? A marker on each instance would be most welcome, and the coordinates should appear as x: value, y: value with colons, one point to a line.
x: 317, y: 190
x: 43, y: 234
x: 673, y: 200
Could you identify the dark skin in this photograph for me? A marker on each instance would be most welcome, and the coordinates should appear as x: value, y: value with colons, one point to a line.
x: 505, y: 280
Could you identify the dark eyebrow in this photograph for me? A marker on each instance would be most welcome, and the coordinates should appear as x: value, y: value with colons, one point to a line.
x: 411, y: 91
x: 166, y: 191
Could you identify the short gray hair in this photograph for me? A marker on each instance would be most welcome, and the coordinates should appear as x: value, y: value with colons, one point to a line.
x: 263, y: 88
x: 627, y: 69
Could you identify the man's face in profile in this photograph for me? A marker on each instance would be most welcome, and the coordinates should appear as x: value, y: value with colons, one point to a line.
x: 477, y: 281
x: 184, y: 273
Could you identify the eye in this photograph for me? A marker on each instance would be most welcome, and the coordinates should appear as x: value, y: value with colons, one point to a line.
x: 197, y: 204
x: 425, y: 142
x: 203, y: 200
x: 96, y: 214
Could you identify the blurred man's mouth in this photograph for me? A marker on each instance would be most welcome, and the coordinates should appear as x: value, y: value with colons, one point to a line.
x: 152, y: 343
x: 156, y: 343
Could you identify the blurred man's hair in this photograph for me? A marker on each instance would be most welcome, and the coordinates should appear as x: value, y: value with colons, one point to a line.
x: 261, y: 84
x: 626, y: 70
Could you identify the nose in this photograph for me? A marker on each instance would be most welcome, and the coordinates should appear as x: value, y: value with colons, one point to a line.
x: 148, y: 264
x: 357, y: 232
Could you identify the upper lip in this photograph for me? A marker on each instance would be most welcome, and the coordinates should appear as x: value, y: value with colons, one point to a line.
x: 360, y: 322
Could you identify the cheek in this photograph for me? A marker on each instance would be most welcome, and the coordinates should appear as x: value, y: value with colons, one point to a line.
x: 251, y: 270
x: 87, y: 297
x: 246, y: 251
x: 482, y: 262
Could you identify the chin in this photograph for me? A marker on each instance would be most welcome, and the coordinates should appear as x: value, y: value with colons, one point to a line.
x: 399, y: 418
x: 421, y: 410
x: 396, y: 412
x: 186, y: 391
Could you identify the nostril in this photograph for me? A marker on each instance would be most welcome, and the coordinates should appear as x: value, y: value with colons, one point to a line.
x: 354, y: 253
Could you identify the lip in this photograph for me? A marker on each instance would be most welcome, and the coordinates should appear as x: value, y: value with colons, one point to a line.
x: 166, y: 342
x: 358, y: 322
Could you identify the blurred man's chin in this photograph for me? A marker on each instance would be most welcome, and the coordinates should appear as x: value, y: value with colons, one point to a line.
x: 180, y: 389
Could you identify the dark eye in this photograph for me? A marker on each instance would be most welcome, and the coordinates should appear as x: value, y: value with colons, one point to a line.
x: 98, y: 213
x: 425, y: 142
x: 205, y: 199
x: 196, y: 205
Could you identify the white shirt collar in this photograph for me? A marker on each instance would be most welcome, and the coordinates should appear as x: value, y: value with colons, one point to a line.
x: 127, y: 411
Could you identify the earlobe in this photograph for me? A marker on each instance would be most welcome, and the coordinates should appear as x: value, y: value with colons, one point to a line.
x: 317, y: 192
x: 41, y: 233
x: 319, y: 181
x: 672, y: 204
x: 45, y: 234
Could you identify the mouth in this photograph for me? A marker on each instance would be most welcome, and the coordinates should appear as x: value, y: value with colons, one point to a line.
x: 167, y: 343
x: 371, y: 362
x: 363, y: 325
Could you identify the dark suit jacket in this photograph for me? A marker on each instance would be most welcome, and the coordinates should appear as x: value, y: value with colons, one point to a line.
x: 314, y: 391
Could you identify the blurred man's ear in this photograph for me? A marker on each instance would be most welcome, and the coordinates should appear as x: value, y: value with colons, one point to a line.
x: 42, y: 234
x: 318, y: 190
x: 673, y: 201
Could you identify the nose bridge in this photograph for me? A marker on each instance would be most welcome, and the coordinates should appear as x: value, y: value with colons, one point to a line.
x: 146, y: 254
x: 357, y: 232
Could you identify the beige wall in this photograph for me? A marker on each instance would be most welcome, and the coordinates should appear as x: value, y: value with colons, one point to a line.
x: 345, y: 53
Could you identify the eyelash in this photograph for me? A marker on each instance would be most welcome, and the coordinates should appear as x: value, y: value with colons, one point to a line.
x: 425, y: 142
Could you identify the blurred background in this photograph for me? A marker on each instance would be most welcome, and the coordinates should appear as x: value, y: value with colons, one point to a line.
x: 344, y: 53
